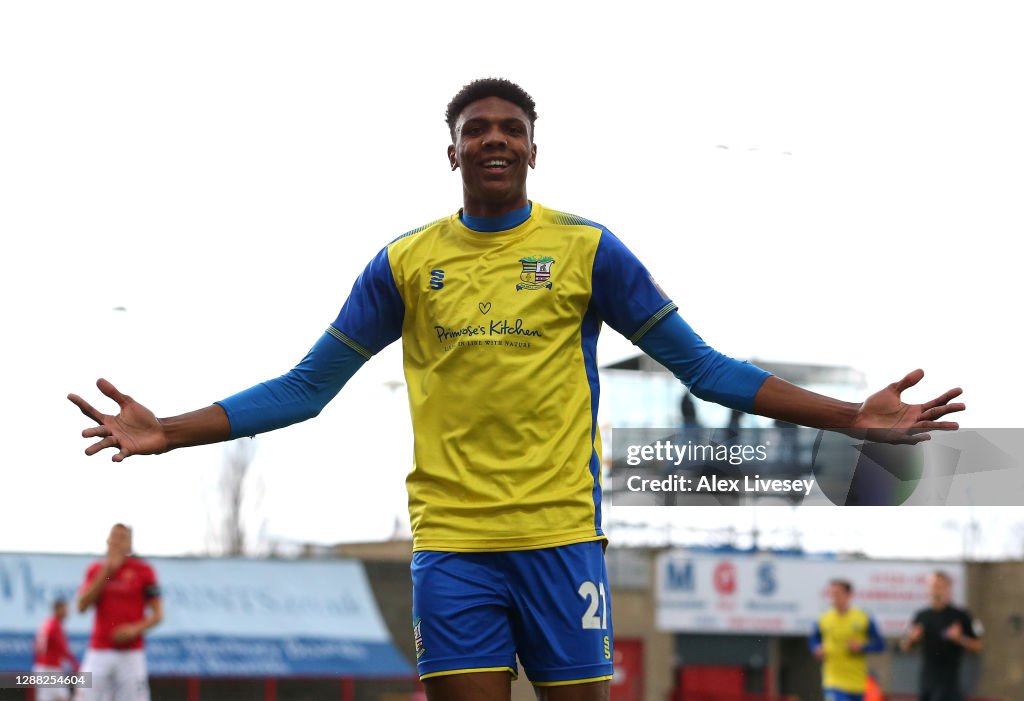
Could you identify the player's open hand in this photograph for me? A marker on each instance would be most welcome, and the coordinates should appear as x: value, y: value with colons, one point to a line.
x: 134, y: 430
x: 912, y: 638
x: 126, y: 633
x: 886, y: 418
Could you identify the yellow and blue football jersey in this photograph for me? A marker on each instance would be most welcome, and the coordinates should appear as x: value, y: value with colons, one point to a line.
x: 499, y: 333
x: 841, y: 668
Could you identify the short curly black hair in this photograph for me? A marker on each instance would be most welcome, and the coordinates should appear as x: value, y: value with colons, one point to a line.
x: 489, y: 87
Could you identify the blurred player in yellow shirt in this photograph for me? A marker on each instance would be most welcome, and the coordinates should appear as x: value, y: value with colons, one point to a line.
x: 841, y: 639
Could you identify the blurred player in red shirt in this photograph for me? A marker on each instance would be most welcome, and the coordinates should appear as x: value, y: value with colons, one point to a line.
x: 52, y: 651
x: 122, y: 587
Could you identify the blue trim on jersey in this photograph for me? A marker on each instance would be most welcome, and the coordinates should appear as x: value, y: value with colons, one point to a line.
x: 875, y: 641
x: 709, y: 374
x: 373, y: 313
x: 815, y: 637
x: 622, y: 291
x: 840, y: 695
x: 300, y: 394
x: 590, y: 329
x: 509, y: 220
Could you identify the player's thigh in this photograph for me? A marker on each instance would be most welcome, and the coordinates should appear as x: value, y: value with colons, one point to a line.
x: 588, y: 691
x: 99, y: 691
x: 100, y: 664
x: 562, y: 617
x: 473, y: 686
x: 131, y: 682
x: 51, y: 694
x: 461, y: 618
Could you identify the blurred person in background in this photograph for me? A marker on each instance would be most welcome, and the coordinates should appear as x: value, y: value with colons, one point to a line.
x: 944, y: 631
x: 841, y: 639
x: 122, y: 587
x: 52, y: 651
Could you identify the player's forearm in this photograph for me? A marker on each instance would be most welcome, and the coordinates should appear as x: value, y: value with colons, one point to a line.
x: 296, y: 396
x: 65, y: 655
x: 781, y: 400
x: 156, y: 614
x: 208, y: 425
x: 151, y: 621
x: 873, y: 646
x: 709, y: 374
x: 875, y: 642
x: 973, y: 644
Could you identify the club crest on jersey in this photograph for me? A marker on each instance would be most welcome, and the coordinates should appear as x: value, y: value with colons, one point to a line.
x: 536, y: 273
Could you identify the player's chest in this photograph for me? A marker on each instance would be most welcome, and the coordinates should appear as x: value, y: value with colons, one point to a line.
x: 123, y: 583
x: 936, y: 626
x: 843, y: 628
x: 529, y: 286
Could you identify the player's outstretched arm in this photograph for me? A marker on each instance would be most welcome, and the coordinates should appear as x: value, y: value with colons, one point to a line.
x: 625, y: 296
x: 299, y: 394
x: 135, y: 430
x: 883, y: 416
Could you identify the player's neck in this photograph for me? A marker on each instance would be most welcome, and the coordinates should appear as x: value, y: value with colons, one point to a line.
x: 501, y: 222
x: 475, y: 207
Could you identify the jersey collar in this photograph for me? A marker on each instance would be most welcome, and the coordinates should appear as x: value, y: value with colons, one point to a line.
x: 503, y: 222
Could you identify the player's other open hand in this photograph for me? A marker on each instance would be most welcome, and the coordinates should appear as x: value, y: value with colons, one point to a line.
x: 126, y: 633
x: 134, y: 430
x: 886, y: 418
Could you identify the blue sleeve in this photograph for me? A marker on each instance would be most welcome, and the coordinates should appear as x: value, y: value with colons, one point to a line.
x: 623, y: 293
x: 815, y: 639
x: 373, y: 313
x: 709, y: 374
x: 298, y: 395
x: 875, y: 641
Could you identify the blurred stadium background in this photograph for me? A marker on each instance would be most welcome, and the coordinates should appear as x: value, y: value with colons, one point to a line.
x: 696, y: 624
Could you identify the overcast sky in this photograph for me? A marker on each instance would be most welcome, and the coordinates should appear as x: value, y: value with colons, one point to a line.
x: 827, y: 182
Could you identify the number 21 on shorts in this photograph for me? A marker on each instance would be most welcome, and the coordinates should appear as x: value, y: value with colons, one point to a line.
x: 596, y: 615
